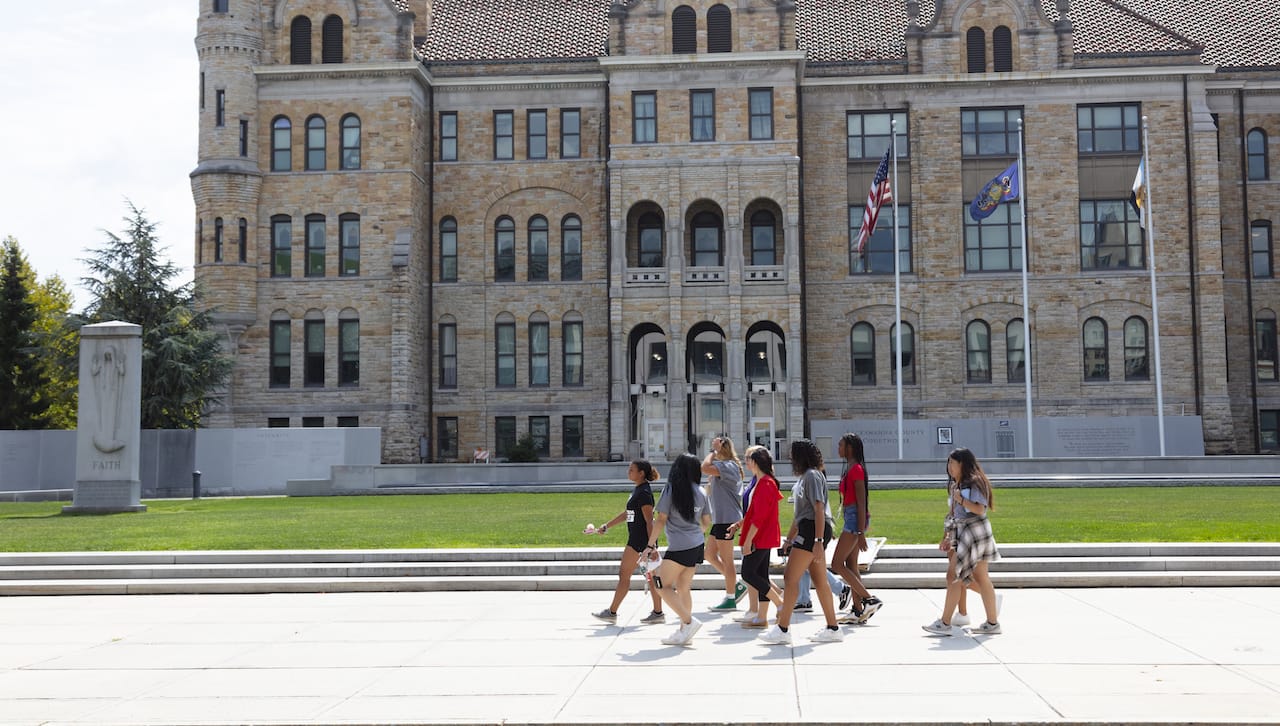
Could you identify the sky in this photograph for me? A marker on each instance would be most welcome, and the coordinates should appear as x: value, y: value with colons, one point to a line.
x: 97, y: 105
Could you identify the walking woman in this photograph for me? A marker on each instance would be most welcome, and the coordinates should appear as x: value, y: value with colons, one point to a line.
x: 853, y: 536
x: 810, y: 532
x: 639, y: 518
x: 760, y: 534
x: 724, y: 483
x: 969, y: 543
x: 682, y: 513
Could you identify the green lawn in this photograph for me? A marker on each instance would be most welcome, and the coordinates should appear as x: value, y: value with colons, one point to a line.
x: 1217, y: 514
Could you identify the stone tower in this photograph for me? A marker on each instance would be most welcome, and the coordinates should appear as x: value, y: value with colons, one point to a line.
x: 227, y: 181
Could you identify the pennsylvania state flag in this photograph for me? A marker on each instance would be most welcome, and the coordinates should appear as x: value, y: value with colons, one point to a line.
x: 1139, y: 196
x: 1006, y: 187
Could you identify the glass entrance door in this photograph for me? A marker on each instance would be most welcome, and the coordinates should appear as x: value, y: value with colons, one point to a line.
x: 655, y: 439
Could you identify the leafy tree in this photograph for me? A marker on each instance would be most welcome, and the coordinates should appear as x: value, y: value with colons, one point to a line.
x: 21, y: 374
x: 183, y: 366
x: 58, y: 333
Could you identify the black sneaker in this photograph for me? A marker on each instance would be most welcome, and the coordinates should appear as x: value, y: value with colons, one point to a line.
x: 846, y: 594
x: 869, y: 607
x: 804, y: 607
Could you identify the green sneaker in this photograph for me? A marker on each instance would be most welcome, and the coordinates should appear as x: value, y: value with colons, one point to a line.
x: 727, y: 604
x: 739, y: 592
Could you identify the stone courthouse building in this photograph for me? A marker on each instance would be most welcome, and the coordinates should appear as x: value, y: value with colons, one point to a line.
x: 624, y: 226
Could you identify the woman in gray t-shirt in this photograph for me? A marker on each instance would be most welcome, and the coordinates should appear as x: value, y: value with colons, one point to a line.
x: 684, y: 515
x: 724, y: 484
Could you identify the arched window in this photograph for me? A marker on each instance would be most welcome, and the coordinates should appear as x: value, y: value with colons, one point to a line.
x: 684, y: 30
x: 281, y: 144
x: 862, y: 354
x: 763, y: 239
x: 766, y: 355
x: 504, y: 250
x: 280, y: 349
x: 571, y: 342
x: 1256, y: 147
x: 1135, y: 350
x: 315, y: 143
x: 648, y: 355
x: 217, y: 239
x: 448, y: 250
x: 538, y: 245
x: 708, y: 240
x: 348, y: 348
x: 650, y: 230
x: 350, y: 158
x: 349, y: 244
x: 719, y: 30
x: 977, y: 345
x: 908, y: 354
x: 539, y: 349
x: 1094, y: 337
x: 243, y: 246
x: 300, y: 41
x: 705, y: 362
x: 331, y: 40
x: 571, y: 248
x: 313, y: 264
x: 1002, y: 49
x: 504, y: 349
x: 705, y: 369
x: 976, y: 50
x: 1015, y: 351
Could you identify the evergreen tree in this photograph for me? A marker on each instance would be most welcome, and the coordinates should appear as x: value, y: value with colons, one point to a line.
x: 183, y: 366
x: 22, y: 376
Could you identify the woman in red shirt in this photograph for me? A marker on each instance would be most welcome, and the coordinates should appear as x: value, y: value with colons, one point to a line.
x: 760, y: 534
x: 853, y: 538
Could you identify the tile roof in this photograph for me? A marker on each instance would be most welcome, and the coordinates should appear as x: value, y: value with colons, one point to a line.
x: 1234, y: 34
x: 464, y: 30
x: 401, y: 5
x: 854, y: 30
x: 1106, y: 27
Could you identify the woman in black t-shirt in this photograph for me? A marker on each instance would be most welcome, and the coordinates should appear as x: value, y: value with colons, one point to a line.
x: 639, y: 518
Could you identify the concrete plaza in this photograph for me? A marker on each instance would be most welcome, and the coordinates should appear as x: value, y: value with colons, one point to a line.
x: 1067, y: 655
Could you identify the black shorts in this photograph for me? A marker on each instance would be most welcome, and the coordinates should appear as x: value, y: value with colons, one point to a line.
x: 691, y: 557
x: 638, y: 543
x: 720, y: 531
x: 805, y: 535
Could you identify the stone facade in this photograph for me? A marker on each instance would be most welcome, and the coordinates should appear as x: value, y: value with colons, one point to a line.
x: 714, y: 290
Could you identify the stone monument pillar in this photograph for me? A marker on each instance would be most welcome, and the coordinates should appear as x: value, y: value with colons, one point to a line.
x: 108, y: 425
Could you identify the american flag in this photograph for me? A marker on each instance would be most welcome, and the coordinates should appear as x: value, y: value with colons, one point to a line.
x: 881, y: 193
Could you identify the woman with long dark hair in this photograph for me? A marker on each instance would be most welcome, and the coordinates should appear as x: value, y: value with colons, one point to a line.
x: 853, y: 536
x: 969, y: 543
x: 682, y: 513
x: 810, y: 532
x: 638, y: 515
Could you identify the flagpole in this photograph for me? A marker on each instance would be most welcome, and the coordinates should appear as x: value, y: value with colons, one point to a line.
x: 1026, y: 308
x: 897, y: 280
x: 1151, y: 265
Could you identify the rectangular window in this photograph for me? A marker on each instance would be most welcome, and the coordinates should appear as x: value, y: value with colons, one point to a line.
x: 505, y: 354
x: 449, y: 136
x: 315, y: 246
x: 281, y: 247
x: 349, y: 422
x: 869, y: 134
x: 504, y: 432
x: 644, y: 117
x: 244, y: 137
x: 1109, y: 129
x: 539, y: 354
x: 447, y: 438
x: 313, y: 422
x: 570, y: 133
x: 702, y: 115
x: 572, y: 332
x: 571, y: 436
x: 217, y: 240
x: 220, y: 107
x: 349, y: 244
x: 277, y: 422
x: 244, y: 240
x: 1265, y: 334
x: 313, y: 353
x: 989, y: 131
x: 219, y: 6
x: 1269, y: 429
x: 348, y: 352
x: 760, y: 108
x: 448, y: 355
x: 571, y: 249
x: 1260, y: 233
x: 1110, y: 237
x: 202, y: 91
x: 280, y: 367
x: 995, y: 243
x: 536, y: 134
x: 877, y: 257
x: 504, y: 135
x: 540, y: 432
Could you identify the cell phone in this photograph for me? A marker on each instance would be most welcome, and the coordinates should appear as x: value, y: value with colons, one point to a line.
x: 657, y: 582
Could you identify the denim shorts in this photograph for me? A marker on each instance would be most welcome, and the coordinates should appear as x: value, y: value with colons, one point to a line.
x: 851, y: 519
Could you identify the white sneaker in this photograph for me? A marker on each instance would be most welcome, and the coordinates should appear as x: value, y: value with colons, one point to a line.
x: 676, y: 638
x: 960, y: 620
x: 827, y: 635
x: 776, y: 636
x: 689, y: 630
x: 938, y: 627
